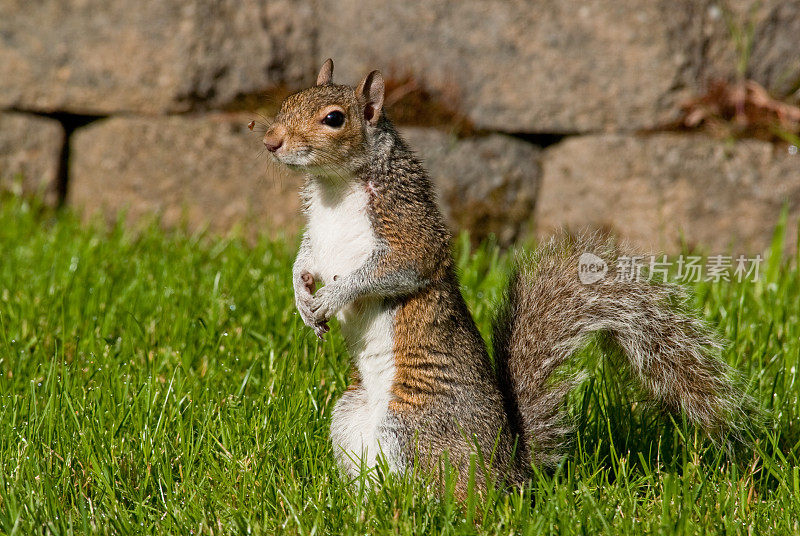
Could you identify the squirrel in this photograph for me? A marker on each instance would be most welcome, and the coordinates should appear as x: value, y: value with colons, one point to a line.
x: 423, y: 382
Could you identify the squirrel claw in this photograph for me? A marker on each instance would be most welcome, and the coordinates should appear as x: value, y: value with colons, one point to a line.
x: 320, y: 330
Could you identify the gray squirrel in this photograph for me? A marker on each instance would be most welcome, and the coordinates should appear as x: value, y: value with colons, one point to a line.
x: 423, y: 381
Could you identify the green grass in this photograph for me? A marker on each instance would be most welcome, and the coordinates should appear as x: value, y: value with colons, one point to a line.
x: 162, y: 383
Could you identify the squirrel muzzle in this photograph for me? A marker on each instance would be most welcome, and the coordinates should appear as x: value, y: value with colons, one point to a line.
x: 273, y: 139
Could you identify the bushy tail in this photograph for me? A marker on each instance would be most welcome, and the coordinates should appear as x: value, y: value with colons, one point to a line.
x: 549, y: 314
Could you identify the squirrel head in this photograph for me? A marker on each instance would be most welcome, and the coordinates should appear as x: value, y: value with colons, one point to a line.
x: 325, y: 130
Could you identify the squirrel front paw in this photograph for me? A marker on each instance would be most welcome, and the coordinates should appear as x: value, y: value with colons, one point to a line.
x: 303, y: 293
x: 326, y: 302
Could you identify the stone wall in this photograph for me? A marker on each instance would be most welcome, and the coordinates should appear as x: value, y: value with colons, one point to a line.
x: 531, y: 115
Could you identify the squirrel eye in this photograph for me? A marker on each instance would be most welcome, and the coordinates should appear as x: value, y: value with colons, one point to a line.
x: 334, y: 119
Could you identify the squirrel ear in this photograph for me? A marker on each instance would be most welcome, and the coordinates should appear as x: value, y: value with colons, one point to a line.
x: 370, y: 92
x: 325, y: 75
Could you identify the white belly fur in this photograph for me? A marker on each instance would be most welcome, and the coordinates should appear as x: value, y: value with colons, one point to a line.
x: 342, y: 239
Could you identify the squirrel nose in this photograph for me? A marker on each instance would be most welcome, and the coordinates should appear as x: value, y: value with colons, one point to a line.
x: 273, y: 142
